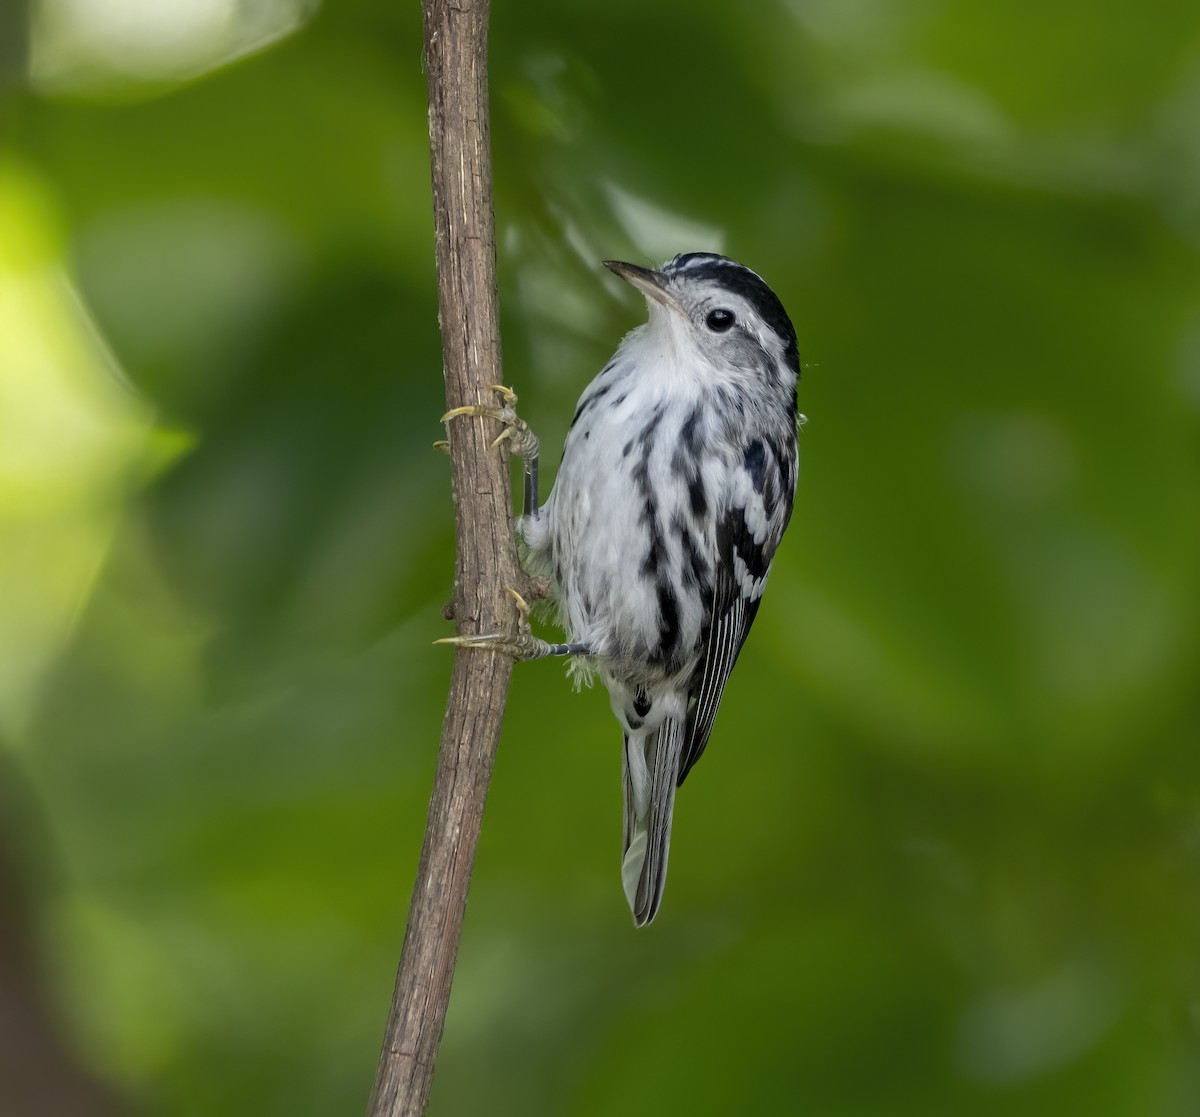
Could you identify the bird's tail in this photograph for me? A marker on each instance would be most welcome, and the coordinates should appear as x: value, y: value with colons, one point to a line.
x: 650, y: 768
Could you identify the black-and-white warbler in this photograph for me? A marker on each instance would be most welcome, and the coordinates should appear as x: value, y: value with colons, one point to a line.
x: 676, y: 483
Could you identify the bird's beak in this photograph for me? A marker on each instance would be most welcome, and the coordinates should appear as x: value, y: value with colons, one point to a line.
x: 649, y: 282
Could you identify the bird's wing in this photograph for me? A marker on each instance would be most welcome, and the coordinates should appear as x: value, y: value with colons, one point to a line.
x: 749, y: 526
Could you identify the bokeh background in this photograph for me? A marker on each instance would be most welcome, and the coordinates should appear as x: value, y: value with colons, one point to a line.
x: 943, y: 855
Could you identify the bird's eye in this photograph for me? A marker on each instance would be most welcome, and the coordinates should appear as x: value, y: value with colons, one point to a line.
x: 720, y: 320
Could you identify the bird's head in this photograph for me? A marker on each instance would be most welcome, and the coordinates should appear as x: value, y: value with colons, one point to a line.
x: 710, y: 310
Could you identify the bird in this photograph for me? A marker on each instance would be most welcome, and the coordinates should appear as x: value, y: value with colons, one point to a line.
x: 676, y: 484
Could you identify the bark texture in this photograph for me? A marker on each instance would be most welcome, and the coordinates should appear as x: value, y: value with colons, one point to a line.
x: 456, y: 69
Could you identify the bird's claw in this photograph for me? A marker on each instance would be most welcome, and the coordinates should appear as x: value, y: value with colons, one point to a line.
x: 522, y: 604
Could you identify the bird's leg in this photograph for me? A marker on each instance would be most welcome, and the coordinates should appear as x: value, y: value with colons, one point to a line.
x: 521, y: 440
x: 521, y: 644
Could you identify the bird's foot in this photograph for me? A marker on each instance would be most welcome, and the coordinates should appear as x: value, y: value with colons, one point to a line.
x: 520, y: 643
x: 521, y: 440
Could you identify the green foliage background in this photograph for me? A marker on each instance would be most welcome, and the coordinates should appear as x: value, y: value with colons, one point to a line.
x: 943, y: 855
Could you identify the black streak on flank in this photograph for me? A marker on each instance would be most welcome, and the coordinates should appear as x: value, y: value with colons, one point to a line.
x: 686, y: 459
x: 668, y: 621
x: 657, y: 553
x: 695, y: 566
x: 647, y: 434
x: 741, y: 543
x: 669, y: 605
x: 587, y: 402
x: 776, y: 453
x: 641, y: 478
x: 686, y: 463
x: 755, y: 460
x: 688, y: 433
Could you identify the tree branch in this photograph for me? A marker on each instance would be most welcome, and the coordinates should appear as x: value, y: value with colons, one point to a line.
x: 456, y: 69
